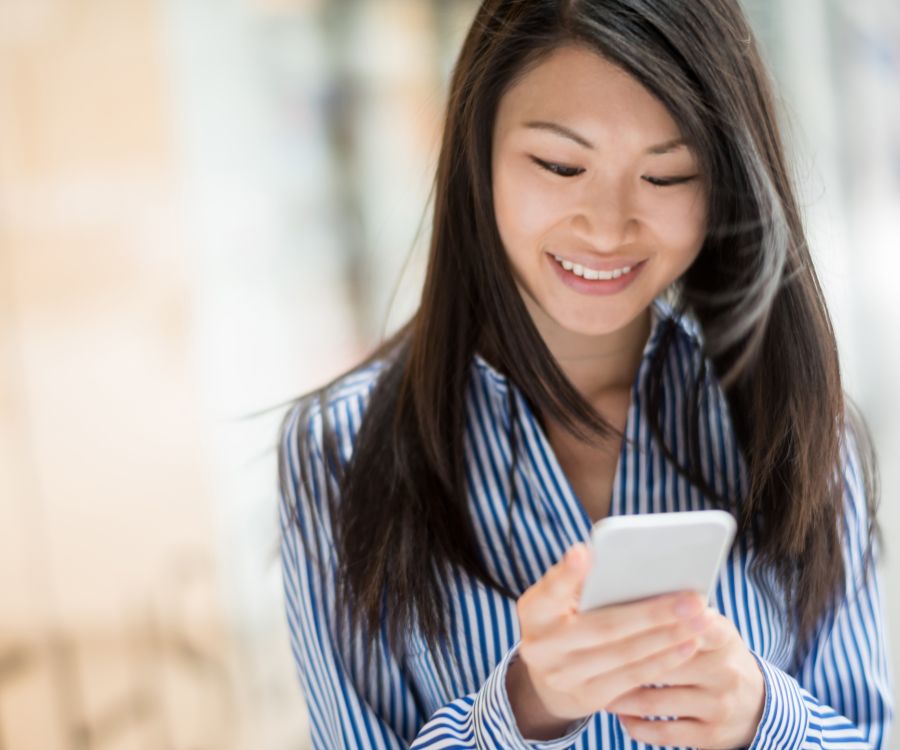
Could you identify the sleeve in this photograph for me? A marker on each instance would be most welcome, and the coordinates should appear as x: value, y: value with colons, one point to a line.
x: 842, y: 695
x: 384, y: 711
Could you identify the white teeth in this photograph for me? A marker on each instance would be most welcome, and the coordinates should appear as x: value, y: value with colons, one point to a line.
x: 589, y: 273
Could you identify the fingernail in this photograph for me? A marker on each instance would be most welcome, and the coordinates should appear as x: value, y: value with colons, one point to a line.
x: 572, y: 556
x: 685, y: 606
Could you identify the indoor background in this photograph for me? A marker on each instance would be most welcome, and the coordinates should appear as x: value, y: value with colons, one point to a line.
x: 209, y: 207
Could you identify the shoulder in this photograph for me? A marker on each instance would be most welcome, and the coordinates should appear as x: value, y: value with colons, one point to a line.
x: 336, y: 410
x: 317, y: 431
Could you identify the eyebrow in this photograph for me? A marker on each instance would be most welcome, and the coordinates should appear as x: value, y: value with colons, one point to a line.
x: 660, y: 148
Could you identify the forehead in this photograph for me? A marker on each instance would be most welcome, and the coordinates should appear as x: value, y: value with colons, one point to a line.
x: 576, y: 86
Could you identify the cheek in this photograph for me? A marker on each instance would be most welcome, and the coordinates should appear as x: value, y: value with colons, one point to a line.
x: 524, y: 209
x: 682, y: 223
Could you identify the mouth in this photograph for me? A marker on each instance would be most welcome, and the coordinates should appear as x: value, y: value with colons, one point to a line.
x: 590, y: 274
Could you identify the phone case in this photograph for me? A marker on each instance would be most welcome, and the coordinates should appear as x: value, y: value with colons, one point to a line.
x: 638, y: 556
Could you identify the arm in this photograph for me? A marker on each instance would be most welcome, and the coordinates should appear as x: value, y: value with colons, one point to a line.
x: 345, y: 709
x: 842, y: 695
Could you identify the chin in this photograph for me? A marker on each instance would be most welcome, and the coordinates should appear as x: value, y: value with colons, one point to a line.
x: 596, y: 326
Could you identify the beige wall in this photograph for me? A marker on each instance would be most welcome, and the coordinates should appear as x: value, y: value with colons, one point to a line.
x: 106, y: 539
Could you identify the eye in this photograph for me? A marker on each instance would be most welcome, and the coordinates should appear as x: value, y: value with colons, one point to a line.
x: 557, y: 169
x: 669, y: 181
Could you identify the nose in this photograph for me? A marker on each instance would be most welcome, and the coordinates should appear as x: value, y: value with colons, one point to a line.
x: 604, y: 219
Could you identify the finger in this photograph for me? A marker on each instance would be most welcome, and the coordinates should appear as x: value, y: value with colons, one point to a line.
x: 564, y: 580
x: 610, y: 656
x: 557, y: 592
x: 609, y: 685
x: 677, y: 733
x: 719, y: 633
x: 701, y: 670
x: 683, y: 702
x: 622, y: 621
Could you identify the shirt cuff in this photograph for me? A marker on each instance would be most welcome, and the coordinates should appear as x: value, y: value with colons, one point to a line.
x: 785, y: 717
x: 495, y: 723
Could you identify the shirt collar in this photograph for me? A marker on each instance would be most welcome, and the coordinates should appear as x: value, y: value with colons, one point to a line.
x: 660, y: 310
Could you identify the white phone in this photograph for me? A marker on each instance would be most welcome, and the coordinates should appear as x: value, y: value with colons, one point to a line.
x: 637, y: 556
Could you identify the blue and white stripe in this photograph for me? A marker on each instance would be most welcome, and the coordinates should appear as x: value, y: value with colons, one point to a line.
x: 840, y: 697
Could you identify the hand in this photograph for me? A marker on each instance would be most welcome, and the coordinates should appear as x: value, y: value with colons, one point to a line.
x: 718, y: 696
x: 572, y: 664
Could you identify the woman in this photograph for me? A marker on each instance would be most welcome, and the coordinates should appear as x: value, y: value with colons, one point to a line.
x: 620, y: 315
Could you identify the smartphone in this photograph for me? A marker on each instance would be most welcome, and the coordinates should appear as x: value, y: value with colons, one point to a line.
x: 638, y: 556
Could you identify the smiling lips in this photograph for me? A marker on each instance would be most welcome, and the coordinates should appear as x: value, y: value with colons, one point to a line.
x: 592, y: 274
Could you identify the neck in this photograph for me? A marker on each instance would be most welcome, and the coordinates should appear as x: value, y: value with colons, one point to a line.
x: 597, y: 365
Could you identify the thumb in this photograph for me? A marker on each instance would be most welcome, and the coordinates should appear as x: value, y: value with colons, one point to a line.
x: 570, y: 573
x: 577, y: 559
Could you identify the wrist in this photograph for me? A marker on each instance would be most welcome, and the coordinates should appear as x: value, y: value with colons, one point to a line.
x: 533, y: 719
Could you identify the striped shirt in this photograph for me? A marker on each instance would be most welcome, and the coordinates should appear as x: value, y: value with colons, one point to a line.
x: 841, y: 696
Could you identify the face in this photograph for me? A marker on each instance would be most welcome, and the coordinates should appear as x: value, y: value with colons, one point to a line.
x: 587, y: 183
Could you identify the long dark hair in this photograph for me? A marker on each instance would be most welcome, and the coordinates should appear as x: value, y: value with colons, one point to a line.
x: 399, y: 505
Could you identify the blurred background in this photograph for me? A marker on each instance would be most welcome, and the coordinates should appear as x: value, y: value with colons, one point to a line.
x: 207, y: 208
